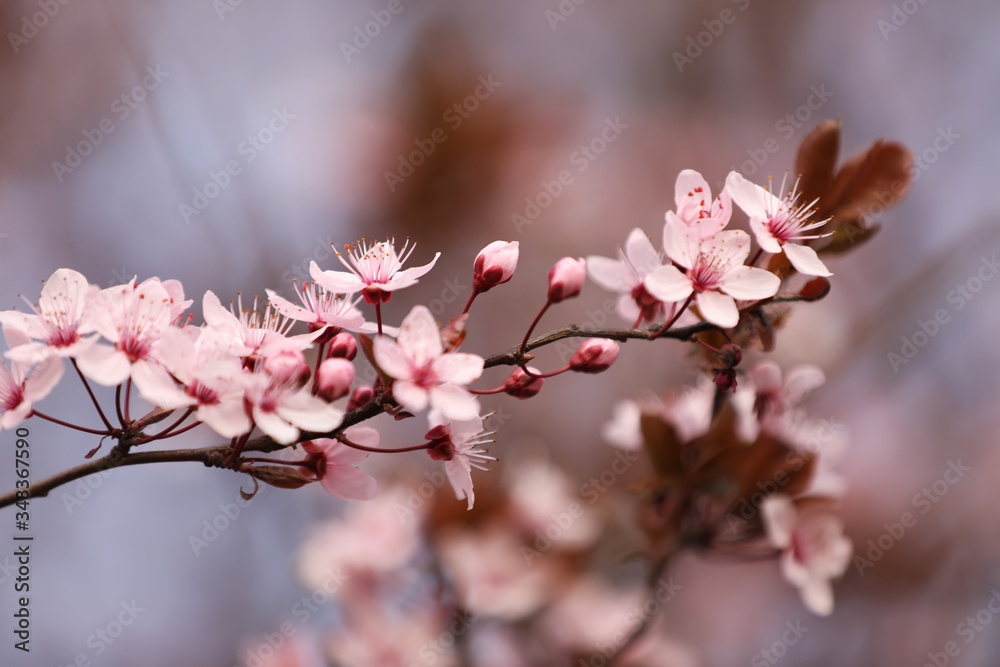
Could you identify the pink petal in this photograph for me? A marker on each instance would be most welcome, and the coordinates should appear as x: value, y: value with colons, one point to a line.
x: 289, y: 309
x: 310, y: 413
x: 408, y: 277
x: 691, y: 195
x: 228, y: 419
x: 410, y: 396
x: 767, y: 377
x: 680, y: 242
x: 271, y: 424
x: 610, y: 274
x: 719, y: 309
x: 779, y: 515
x: 104, y: 365
x: 460, y: 475
x: 753, y: 199
x: 458, y: 368
x: 668, y: 284
x: 419, y: 336
x: 731, y: 247
x: 640, y: 252
x: 454, y: 402
x: 349, y: 483
x: 747, y: 282
x: 805, y: 260
x: 801, y: 381
x: 215, y: 315
x: 338, y: 282
x: 157, y: 387
x: 392, y: 359
x: 43, y: 379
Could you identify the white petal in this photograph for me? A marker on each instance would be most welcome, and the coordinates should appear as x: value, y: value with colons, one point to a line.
x: 104, y: 365
x: 289, y: 309
x: 753, y: 199
x: 408, y: 277
x: 802, y: 380
x: 349, y: 483
x: 805, y: 260
x: 668, y: 284
x: 610, y: 274
x: 281, y: 431
x: 228, y: 419
x: 43, y: 379
x: 459, y: 473
x: 719, y: 309
x: 338, y: 282
x: 310, y: 413
x: 747, y: 282
x: 765, y: 239
x: 779, y: 517
x: 680, y: 242
x: 391, y: 358
x: 157, y: 387
x: 454, y: 402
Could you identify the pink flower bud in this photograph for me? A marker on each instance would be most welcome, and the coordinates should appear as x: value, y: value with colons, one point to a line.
x: 494, y: 265
x: 343, y: 346
x: 594, y: 356
x: 334, y: 378
x: 566, y: 278
x: 522, y: 385
x: 287, y: 366
x: 360, y: 396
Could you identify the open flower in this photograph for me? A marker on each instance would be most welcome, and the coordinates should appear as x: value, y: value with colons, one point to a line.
x: 815, y: 549
x: 778, y: 222
x: 336, y: 464
x: 374, y: 271
x: 59, y: 322
x: 251, y: 333
x: 627, y: 276
x: 713, y: 272
x: 320, y: 309
x: 704, y: 216
x: 458, y: 443
x: 21, y: 386
x: 424, y: 374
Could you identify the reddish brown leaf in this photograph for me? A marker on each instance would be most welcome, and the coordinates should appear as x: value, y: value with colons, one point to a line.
x: 815, y: 289
x: 870, y: 183
x: 662, y: 446
x: 816, y: 160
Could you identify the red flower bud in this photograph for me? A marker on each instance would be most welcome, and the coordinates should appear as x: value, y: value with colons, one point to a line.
x: 334, y: 378
x: 360, y: 396
x: 522, y: 385
x: 566, y: 278
x: 594, y: 356
x: 494, y: 265
x: 343, y: 346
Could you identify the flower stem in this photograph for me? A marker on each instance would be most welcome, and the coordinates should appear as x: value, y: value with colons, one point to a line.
x: 36, y: 413
x: 483, y: 392
x: 534, y: 323
x: 376, y: 450
x: 92, y: 397
x: 676, y: 317
x: 118, y: 405
x: 472, y: 297
x: 128, y: 394
x: 378, y: 316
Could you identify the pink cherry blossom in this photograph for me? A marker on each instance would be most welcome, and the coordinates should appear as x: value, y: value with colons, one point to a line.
x: 374, y: 271
x: 320, y: 308
x: 281, y: 406
x: 696, y: 209
x: 336, y: 464
x: 250, y: 333
x: 424, y: 374
x: 22, y: 384
x: 627, y: 276
x: 773, y: 397
x: 133, y: 318
x: 59, y: 322
x: 494, y: 265
x: 211, y: 380
x: 458, y: 443
x: 815, y: 549
x: 566, y: 279
x: 713, y: 270
x: 777, y: 223
x: 334, y: 378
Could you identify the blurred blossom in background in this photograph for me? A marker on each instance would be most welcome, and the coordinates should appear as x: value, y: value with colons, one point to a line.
x: 228, y: 143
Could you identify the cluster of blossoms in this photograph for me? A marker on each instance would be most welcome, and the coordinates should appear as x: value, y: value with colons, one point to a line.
x: 737, y: 469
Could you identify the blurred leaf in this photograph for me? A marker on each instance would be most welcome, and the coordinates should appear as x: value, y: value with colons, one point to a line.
x: 662, y: 446
x: 816, y: 160
x: 815, y: 289
x: 870, y: 182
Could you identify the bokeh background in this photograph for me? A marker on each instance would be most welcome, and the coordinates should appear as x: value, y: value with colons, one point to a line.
x: 212, y: 75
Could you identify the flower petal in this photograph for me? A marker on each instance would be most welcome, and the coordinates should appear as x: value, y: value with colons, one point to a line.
x: 668, y: 284
x: 719, y: 309
x: 640, y: 252
x: 349, y: 483
x: 419, y: 336
x: 747, y: 282
x: 391, y: 358
x: 805, y: 260
x: 458, y: 367
x: 408, y: 277
x: 338, y: 282
x: 454, y: 402
x: 410, y: 396
x: 610, y: 274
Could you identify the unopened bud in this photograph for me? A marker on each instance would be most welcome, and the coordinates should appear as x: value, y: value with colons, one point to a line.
x: 725, y: 379
x: 343, y: 346
x: 730, y: 355
x: 360, y: 396
x: 594, y: 356
x: 287, y: 366
x: 521, y: 385
x: 566, y: 279
x: 494, y: 265
x: 334, y: 378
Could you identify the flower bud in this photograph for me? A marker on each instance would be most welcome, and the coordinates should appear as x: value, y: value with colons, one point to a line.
x: 360, y: 396
x: 594, y: 356
x: 522, y: 385
x: 725, y: 379
x: 342, y: 346
x: 494, y: 265
x: 730, y: 355
x: 566, y: 279
x: 287, y: 366
x: 334, y: 378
